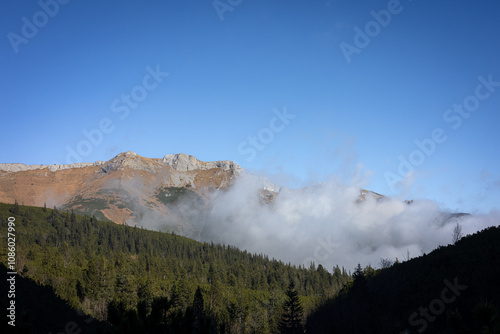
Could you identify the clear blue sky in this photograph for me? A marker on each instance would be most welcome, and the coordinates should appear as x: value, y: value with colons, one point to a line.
x: 75, y: 69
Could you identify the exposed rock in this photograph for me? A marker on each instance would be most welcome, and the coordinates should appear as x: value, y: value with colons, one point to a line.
x: 183, y: 162
x: 17, y: 167
x: 179, y: 162
x: 181, y: 180
x: 132, y: 161
x: 261, y: 182
x: 123, y: 189
x: 364, y: 194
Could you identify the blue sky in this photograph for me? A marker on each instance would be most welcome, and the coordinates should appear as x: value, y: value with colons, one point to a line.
x: 69, y: 69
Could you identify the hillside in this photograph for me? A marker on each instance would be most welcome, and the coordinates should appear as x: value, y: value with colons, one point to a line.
x: 145, y: 281
x: 130, y: 280
x: 172, y: 194
x: 40, y: 310
x: 123, y: 189
x: 453, y: 289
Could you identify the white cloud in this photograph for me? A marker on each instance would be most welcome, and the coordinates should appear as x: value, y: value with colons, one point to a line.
x: 324, y: 223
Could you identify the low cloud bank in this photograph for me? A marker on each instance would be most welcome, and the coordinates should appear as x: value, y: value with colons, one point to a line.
x: 326, y: 224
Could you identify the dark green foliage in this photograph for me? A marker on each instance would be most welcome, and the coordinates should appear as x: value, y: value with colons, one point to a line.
x: 15, y: 208
x: 292, y: 317
x: 395, y: 299
x: 358, y: 274
x: 198, y: 305
x: 146, y: 281
x: 116, y: 312
x: 40, y: 310
x: 171, y: 195
x: 488, y: 316
x: 72, y: 217
x: 87, y: 206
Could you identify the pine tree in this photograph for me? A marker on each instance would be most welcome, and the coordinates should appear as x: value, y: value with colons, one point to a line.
x: 198, y: 303
x: 359, y: 274
x: 15, y: 209
x: 198, y: 309
x: 291, y: 319
x: 180, y: 292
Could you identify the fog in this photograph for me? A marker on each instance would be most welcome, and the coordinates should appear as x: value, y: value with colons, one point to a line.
x: 327, y: 225
x: 324, y: 223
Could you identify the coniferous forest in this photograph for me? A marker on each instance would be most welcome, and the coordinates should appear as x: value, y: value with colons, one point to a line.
x: 80, y: 275
x: 454, y: 289
x: 131, y: 280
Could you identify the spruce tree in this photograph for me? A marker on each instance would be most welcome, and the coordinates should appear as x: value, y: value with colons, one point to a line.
x: 291, y: 319
x: 181, y: 293
x: 73, y: 216
x: 15, y: 209
x: 198, y: 310
x: 198, y: 303
x: 359, y: 274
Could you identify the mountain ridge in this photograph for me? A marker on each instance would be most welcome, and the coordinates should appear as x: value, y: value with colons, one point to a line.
x: 179, y: 161
x: 129, y: 187
x: 121, y: 189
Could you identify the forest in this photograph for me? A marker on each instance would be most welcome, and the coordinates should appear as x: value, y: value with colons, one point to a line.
x: 79, y: 273
x: 131, y: 280
x: 453, y: 289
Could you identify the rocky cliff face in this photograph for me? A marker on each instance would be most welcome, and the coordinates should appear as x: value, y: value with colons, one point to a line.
x: 183, y: 162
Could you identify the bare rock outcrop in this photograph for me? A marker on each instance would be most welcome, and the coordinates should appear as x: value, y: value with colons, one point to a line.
x: 17, y: 167
x: 179, y: 162
x: 131, y: 160
x: 183, y: 162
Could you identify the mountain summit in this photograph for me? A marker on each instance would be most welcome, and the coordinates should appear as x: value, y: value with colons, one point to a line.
x: 180, y: 162
x: 173, y: 192
x: 123, y: 189
x: 183, y: 162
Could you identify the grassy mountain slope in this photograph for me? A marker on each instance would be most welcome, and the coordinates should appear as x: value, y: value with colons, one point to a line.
x: 121, y: 189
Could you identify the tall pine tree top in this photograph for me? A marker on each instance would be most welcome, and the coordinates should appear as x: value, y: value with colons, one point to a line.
x: 293, y: 314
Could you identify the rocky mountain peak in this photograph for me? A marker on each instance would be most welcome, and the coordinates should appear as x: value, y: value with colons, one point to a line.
x: 131, y: 160
x: 183, y: 162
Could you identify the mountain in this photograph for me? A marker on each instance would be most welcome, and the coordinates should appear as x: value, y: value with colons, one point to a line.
x: 123, y: 189
x: 130, y: 188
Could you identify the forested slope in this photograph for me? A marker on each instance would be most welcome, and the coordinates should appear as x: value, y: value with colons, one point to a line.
x: 145, y: 281
x: 454, y: 289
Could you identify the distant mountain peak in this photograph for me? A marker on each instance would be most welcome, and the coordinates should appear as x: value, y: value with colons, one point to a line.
x: 132, y: 160
x: 122, y: 189
x: 184, y: 162
x: 180, y: 162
